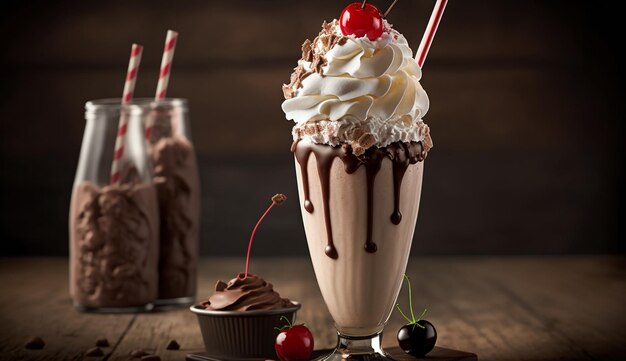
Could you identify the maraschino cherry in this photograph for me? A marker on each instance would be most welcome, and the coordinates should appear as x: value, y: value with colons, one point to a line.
x: 361, y: 19
x: 294, y: 342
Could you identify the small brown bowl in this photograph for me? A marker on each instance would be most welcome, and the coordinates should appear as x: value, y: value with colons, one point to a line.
x: 239, y: 335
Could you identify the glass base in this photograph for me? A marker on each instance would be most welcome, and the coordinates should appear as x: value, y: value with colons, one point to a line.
x: 358, y: 348
x: 175, y: 302
x: 133, y: 309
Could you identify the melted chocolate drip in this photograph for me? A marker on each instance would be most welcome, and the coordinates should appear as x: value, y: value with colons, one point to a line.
x: 303, y: 160
x: 371, y: 170
x: 401, y: 155
x: 400, y: 164
x: 324, y: 163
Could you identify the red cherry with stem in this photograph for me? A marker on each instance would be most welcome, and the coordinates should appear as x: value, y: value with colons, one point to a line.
x: 276, y: 199
x: 361, y: 19
x: 294, y: 342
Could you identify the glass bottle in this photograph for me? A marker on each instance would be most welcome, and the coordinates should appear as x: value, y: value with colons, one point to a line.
x: 114, y: 228
x: 178, y: 188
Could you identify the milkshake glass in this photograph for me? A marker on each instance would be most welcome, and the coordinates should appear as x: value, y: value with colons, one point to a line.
x: 359, y: 146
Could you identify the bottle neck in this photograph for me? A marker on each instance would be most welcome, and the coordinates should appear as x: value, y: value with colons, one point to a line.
x: 102, y: 143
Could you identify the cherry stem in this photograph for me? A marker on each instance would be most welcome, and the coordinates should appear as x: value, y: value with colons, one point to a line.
x: 287, y: 326
x: 410, y: 298
x: 422, y: 315
x: 412, y: 320
x: 253, y: 233
x: 419, y: 319
x: 363, y: 5
x: 390, y: 7
x: 286, y: 320
x: 402, y: 313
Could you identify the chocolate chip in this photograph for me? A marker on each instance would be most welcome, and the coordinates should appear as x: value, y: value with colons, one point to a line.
x: 94, y: 352
x: 151, y: 358
x: 139, y: 353
x: 220, y: 286
x: 35, y: 343
x: 102, y: 342
x: 172, y: 345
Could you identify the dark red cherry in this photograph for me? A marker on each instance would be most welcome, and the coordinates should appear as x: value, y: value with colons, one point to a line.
x: 361, y: 21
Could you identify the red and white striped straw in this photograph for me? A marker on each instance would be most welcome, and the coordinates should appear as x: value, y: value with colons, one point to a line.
x: 431, y: 29
x: 127, y: 97
x: 166, y: 64
x: 164, y: 73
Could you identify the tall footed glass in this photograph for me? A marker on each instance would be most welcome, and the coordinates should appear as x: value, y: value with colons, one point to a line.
x: 359, y: 216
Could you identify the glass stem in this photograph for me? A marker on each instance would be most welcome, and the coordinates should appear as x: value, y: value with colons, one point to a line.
x: 353, y: 346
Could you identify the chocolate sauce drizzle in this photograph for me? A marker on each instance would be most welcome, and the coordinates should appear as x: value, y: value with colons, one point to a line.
x: 401, y: 154
x: 304, y: 159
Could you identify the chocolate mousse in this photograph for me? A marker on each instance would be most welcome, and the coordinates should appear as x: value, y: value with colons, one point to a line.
x: 238, y: 320
x: 245, y: 294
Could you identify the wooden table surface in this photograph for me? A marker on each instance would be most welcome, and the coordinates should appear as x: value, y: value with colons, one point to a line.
x: 501, y: 308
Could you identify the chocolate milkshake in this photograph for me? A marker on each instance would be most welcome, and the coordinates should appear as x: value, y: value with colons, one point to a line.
x: 177, y: 183
x: 113, y: 240
x: 359, y: 146
x: 114, y: 225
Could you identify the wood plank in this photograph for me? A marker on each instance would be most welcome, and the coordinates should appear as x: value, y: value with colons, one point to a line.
x: 581, y: 310
x: 532, y: 308
x: 152, y: 332
x: 35, y: 302
x: 502, y: 326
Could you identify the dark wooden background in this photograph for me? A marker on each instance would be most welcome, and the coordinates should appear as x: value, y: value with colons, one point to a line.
x: 526, y: 114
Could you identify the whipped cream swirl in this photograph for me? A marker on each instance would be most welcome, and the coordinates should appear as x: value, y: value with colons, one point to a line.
x: 355, y: 91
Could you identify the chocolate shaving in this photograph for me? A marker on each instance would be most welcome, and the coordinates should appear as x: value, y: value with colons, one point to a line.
x: 312, y: 129
x: 314, y: 52
x: 287, y: 91
x: 357, y: 133
x: 220, y: 286
x: 424, y: 131
x: 361, y: 141
x: 307, y: 51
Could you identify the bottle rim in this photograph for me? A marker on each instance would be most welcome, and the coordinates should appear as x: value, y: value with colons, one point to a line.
x: 135, y: 106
